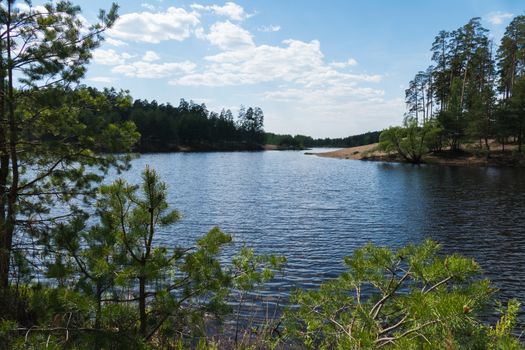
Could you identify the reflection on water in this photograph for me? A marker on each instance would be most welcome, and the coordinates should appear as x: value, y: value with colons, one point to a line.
x: 315, y: 210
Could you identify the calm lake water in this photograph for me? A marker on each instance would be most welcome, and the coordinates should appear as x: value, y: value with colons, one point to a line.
x: 316, y: 210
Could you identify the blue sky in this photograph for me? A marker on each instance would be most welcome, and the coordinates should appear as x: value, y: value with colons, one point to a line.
x: 321, y: 68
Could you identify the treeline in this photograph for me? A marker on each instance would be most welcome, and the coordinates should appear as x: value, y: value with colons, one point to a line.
x: 164, y: 127
x: 474, y: 92
x: 301, y: 141
x: 191, y: 126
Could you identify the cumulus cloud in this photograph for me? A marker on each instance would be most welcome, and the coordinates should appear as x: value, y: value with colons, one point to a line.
x: 304, y: 85
x: 498, y: 17
x: 303, y: 82
x: 102, y: 79
x: 230, y: 9
x: 269, y: 29
x: 229, y: 36
x: 295, y: 61
x: 150, y: 56
x: 148, y: 6
x: 148, y: 70
x: 349, y: 63
x: 110, y: 57
x: 154, y: 27
x: 115, y: 42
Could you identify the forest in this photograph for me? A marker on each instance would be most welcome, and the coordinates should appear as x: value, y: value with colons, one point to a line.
x: 301, y: 141
x: 167, y: 128
x: 472, y: 94
x: 81, y: 262
x: 192, y: 127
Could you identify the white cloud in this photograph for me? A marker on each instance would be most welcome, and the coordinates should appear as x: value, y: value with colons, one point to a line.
x: 229, y: 36
x: 115, y: 42
x: 148, y: 6
x: 230, y: 9
x: 498, y: 17
x: 199, y: 33
x: 23, y: 7
x: 148, y: 70
x: 269, y: 29
x: 331, y: 93
x: 105, y: 80
x: 150, y: 56
x: 304, y: 85
x: 296, y: 62
x: 349, y: 63
x: 110, y: 57
x: 172, y: 24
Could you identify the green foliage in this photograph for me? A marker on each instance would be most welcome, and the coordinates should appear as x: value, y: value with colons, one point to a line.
x: 501, y: 335
x: 434, y: 137
x: 50, y: 134
x: 166, y: 127
x: 119, y: 262
x: 410, y: 298
x: 252, y: 271
x: 511, y: 55
x: 112, y: 285
x: 517, y: 109
x: 298, y: 141
x: 459, y: 91
x: 411, y: 141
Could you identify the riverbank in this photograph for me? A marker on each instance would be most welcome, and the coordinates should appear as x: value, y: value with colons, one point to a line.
x: 468, y: 157
x: 357, y: 153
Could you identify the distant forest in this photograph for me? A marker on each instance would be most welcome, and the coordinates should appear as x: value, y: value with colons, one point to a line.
x: 300, y: 141
x: 164, y: 127
x: 192, y: 127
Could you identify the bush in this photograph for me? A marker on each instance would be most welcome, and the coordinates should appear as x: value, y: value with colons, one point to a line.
x: 410, y: 298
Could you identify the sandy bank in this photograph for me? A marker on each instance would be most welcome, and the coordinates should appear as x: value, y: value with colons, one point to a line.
x: 469, y: 157
x: 359, y: 152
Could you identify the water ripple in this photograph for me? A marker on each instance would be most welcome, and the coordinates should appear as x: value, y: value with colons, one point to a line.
x: 315, y: 211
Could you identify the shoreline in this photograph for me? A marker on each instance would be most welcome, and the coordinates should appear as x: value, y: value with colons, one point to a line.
x: 496, y: 158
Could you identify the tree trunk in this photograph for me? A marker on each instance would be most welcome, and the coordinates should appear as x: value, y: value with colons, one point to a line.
x: 463, y: 86
x: 520, y: 135
x: 7, y: 150
x: 423, y: 103
x: 142, y: 306
x: 4, y: 260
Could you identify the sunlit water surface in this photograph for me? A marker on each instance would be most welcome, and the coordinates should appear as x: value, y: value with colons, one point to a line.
x: 316, y: 210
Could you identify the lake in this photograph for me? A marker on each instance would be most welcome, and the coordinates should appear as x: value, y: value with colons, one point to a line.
x: 317, y: 210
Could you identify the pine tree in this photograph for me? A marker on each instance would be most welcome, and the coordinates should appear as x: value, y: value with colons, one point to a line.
x: 44, y: 127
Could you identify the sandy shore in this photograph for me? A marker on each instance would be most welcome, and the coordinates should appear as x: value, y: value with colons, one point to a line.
x: 469, y: 157
x: 360, y: 152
